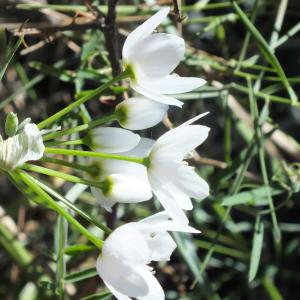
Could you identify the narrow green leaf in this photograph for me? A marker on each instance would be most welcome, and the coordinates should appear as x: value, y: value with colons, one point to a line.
x: 9, y: 56
x: 81, y: 275
x: 255, y: 196
x: 257, y: 245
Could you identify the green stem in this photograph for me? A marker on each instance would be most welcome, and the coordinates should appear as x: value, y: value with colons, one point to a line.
x: 125, y: 74
x: 58, y: 208
x: 79, y: 128
x: 70, y: 205
x: 65, y: 143
x: 137, y: 160
x: 65, y: 163
x: 67, y: 177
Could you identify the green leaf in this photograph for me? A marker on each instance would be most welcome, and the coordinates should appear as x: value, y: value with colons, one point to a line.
x: 81, y: 275
x: 257, y: 245
x: 256, y: 196
x: 9, y: 56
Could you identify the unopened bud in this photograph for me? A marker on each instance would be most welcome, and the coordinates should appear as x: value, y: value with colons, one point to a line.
x: 11, y: 124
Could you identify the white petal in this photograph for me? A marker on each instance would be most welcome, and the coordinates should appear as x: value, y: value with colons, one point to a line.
x: 113, y: 140
x: 143, y: 31
x: 141, y: 87
x: 161, y: 222
x: 161, y: 245
x: 176, y: 143
x: 142, y: 149
x: 174, y: 84
x: 155, y: 291
x: 25, y: 146
x: 157, y: 55
x: 102, y: 200
x: 117, y: 294
x: 121, y: 276
x: 172, y: 208
x: 179, y: 196
x: 192, y: 183
x: 191, y: 121
x: 140, y: 113
x: 128, y: 189
x: 127, y: 244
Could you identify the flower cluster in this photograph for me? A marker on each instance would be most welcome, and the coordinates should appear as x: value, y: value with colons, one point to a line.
x: 126, y: 168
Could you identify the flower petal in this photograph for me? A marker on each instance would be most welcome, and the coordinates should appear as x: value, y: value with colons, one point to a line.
x: 192, y: 183
x: 25, y: 146
x: 164, y: 197
x: 155, y: 291
x: 157, y: 55
x: 128, y: 189
x: 140, y: 113
x: 142, y: 149
x: 102, y: 200
x: 127, y: 244
x: 113, y: 140
x: 143, y: 31
x: 193, y: 120
x: 176, y: 143
x: 117, y: 294
x: 121, y: 276
x: 161, y: 222
x: 141, y: 87
x: 161, y: 245
x: 174, y: 84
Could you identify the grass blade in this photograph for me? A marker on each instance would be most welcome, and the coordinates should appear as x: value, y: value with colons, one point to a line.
x: 266, y: 51
x: 257, y: 244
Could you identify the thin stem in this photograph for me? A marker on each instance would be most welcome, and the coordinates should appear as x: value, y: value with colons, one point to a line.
x: 137, y: 160
x: 69, y: 164
x: 70, y: 205
x: 83, y: 127
x: 67, y: 177
x: 65, y: 143
x: 58, y: 208
x: 125, y: 74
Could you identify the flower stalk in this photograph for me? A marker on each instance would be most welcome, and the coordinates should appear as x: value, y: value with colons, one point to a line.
x: 137, y: 160
x: 58, y: 208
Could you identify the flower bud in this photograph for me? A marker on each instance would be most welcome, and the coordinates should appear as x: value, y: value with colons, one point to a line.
x: 11, y: 124
x: 140, y: 113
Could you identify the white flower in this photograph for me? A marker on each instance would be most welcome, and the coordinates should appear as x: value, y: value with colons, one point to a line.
x: 140, y: 113
x: 112, y: 139
x: 123, y: 181
x: 152, y: 57
x: 172, y: 181
x: 25, y: 146
x: 126, y: 253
